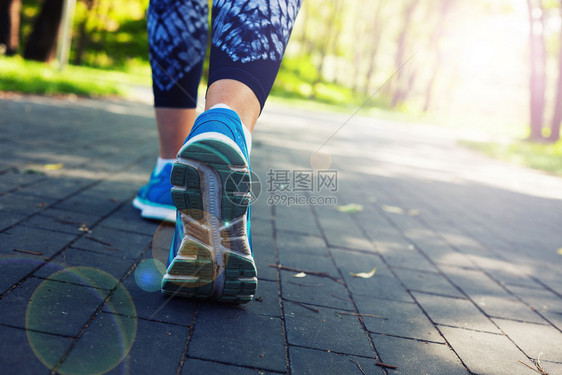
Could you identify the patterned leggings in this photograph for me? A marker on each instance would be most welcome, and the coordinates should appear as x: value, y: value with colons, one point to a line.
x: 247, y: 44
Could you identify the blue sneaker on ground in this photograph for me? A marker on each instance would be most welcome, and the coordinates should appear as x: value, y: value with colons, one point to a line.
x: 211, y: 256
x: 154, y: 199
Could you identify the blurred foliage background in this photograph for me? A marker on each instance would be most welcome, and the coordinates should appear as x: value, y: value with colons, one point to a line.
x: 484, y: 64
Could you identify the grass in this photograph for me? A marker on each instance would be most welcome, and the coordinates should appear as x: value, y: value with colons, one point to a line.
x: 17, y: 74
x: 31, y: 77
x: 545, y: 157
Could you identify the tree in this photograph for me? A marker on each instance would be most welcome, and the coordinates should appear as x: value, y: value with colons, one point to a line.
x: 41, y: 45
x: 376, y: 34
x: 557, y: 115
x: 401, y: 92
x: 537, y: 77
x: 83, y: 34
x: 10, y: 25
x: 434, y: 44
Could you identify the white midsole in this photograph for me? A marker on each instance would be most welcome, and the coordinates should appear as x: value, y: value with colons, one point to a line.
x: 152, y: 212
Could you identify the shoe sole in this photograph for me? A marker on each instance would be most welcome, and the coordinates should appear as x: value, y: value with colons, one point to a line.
x: 211, y: 185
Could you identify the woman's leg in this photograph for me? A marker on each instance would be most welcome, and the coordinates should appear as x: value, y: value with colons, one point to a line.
x: 177, y: 35
x: 211, y: 255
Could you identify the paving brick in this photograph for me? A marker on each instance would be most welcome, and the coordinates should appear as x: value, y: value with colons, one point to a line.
x: 263, y: 248
x: 534, y: 338
x: 238, y: 337
x: 16, y: 267
x: 486, y: 353
x: 401, y: 319
x: 266, y: 300
x: 261, y: 227
x: 545, y: 302
x: 291, y: 243
x: 161, y: 242
x: 489, y: 296
x: 304, y: 261
x: 63, y: 268
x: 382, y: 285
x: 261, y: 211
x: 92, y: 203
x: 551, y: 367
x: 310, y: 361
x: 509, y: 277
x: 30, y: 352
x: 325, y: 330
x: 24, y: 204
x: 405, y: 257
x: 127, y: 218
x: 417, y: 357
x: 428, y: 282
x: 7, y: 221
x: 197, y: 366
x: 56, y: 187
x: 340, y: 229
x: 541, y: 300
x: 114, y: 242
x: 61, y: 221
x: 102, y: 347
x: 15, y: 179
x: 50, y: 306
x: 315, y: 290
x: 298, y: 219
x: 377, y: 226
x: 33, y: 239
x: 132, y: 300
x: 455, y: 312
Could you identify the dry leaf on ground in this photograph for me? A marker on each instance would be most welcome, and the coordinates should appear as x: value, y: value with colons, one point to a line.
x: 352, y: 207
x: 393, y: 209
x: 364, y: 275
x: 53, y: 167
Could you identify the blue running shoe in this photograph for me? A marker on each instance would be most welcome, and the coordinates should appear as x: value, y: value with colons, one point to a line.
x: 211, y: 256
x: 154, y: 199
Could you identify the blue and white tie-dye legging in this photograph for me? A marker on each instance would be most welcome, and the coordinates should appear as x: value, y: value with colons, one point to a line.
x: 248, y: 39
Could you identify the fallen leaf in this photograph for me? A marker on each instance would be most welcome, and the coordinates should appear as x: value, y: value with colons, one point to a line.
x: 393, y: 209
x: 299, y: 275
x: 364, y: 275
x: 53, y: 167
x: 84, y: 228
x: 352, y: 207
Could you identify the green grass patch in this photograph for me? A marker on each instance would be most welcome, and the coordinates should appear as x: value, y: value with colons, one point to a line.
x: 545, y: 157
x: 30, y: 77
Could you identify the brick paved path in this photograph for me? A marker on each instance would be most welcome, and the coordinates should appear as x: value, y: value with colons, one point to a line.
x: 468, y: 273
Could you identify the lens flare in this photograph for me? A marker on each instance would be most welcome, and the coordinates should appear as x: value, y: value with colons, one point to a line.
x: 148, y: 274
x: 109, y: 337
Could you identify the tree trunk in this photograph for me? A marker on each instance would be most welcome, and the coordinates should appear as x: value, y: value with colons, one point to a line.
x: 376, y: 35
x: 402, y: 48
x: 83, y: 37
x: 437, y: 34
x: 10, y: 25
x: 42, y: 42
x: 557, y: 116
x: 537, y: 78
